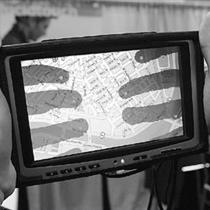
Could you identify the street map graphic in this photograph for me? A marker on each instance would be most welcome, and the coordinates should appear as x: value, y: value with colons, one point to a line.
x: 92, y: 102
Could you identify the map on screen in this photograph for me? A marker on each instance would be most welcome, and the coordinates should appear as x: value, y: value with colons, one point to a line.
x: 83, y: 103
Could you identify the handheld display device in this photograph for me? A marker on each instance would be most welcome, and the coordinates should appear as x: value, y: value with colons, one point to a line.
x: 88, y: 105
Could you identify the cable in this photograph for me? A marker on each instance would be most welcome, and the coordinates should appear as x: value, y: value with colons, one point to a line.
x: 105, y: 194
x: 154, y: 189
x: 151, y: 197
x: 155, y: 170
x: 155, y: 177
x: 170, y: 203
x: 170, y: 180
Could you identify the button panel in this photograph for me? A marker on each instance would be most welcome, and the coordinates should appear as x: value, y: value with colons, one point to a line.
x: 52, y: 173
x: 94, y: 166
x: 140, y: 157
x: 66, y: 171
x: 80, y: 169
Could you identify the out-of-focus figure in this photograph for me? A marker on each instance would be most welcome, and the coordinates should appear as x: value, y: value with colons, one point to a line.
x: 27, y: 29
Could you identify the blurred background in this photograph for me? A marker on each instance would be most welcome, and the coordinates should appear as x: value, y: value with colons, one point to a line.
x: 91, y: 17
x: 74, y: 18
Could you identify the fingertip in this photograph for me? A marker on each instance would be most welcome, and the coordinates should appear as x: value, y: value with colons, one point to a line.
x: 123, y: 92
x: 128, y: 115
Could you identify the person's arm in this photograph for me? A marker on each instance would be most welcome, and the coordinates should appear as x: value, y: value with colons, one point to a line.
x: 204, y: 35
x: 7, y: 171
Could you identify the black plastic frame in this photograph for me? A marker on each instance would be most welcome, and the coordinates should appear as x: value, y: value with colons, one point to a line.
x: 98, y: 44
x: 111, y: 152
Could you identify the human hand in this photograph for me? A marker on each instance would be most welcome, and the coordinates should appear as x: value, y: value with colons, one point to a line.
x: 161, y: 78
x: 45, y: 101
x: 7, y: 170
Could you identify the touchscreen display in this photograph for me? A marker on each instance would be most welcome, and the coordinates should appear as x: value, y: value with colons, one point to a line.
x: 83, y: 103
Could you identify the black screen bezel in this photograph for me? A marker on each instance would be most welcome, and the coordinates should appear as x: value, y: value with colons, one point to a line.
x: 22, y: 116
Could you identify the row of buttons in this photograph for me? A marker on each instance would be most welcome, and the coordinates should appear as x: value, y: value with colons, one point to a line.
x: 140, y: 157
x: 92, y: 166
x: 69, y: 170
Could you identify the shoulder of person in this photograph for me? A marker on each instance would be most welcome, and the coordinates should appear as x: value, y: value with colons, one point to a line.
x: 10, y: 39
